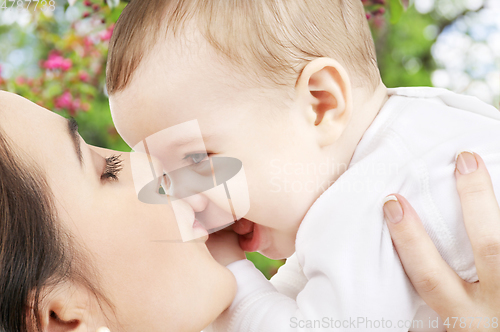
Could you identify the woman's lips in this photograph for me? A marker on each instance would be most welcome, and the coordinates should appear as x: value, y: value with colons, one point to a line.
x: 199, y: 230
x: 197, y: 224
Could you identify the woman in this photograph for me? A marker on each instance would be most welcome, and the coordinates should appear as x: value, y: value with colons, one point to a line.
x: 76, y: 267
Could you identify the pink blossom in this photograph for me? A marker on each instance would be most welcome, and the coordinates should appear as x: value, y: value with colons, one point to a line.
x: 87, y: 42
x: 83, y: 76
x: 378, y: 21
x: 67, y: 102
x: 56, y: 61
x: 106, y: 34
x: 66, y: 64
x: 87, y: 45
x: 20, y: 80
x: 76, y: 105
x: 64, y: 101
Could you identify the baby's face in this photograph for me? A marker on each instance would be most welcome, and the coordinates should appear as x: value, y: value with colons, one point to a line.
x: 271, y: 138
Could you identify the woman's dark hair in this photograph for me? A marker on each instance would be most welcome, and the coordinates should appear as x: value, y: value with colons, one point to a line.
x: 35, y: 252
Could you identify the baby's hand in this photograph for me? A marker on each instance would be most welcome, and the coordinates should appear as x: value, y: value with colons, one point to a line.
x: 224, y: 246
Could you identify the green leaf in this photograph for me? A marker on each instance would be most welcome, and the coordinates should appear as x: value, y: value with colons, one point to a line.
x: 87, y: 89
x: 53, y: 89
x: 116, y: 12
x: 267, y: 266
x: 396, y: 10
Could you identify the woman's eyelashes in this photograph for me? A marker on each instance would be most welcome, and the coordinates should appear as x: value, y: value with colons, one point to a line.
x: 112, y: 168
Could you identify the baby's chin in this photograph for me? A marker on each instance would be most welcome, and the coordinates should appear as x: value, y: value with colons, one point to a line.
x: 275, y: 253
x: 277, y: 244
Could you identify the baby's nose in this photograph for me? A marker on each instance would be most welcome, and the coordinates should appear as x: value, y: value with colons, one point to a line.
x: 198, y: 202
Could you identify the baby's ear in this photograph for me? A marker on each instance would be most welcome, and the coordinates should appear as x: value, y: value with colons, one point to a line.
x: 325, y: 91
x: 64, y: 308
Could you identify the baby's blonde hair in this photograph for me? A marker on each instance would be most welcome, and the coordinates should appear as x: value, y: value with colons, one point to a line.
x: 271, y: 39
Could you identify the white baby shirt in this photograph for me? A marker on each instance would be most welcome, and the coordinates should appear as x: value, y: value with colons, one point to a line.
x: 345, y: 274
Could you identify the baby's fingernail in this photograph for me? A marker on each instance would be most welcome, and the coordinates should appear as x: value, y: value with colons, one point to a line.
x: 466, y: 162
x: 392, y: 209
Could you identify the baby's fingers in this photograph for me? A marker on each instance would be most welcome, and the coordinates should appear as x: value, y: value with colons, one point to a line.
x: 481, y: 216
x: 437, y: 284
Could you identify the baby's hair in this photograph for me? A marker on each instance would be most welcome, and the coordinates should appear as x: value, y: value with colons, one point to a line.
x: 271, y: 39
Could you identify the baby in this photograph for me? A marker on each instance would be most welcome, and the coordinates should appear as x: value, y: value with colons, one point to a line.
x: 292, y: 89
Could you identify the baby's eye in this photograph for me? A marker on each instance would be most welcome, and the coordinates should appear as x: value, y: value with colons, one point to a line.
x: 197, y: 158
x: 164, y: 185
x: 162, y: 190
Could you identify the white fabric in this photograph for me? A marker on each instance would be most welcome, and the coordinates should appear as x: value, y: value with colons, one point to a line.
x: 345, y: 266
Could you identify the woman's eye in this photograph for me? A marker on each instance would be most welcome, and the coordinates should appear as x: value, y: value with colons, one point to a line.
x: 197, y: 158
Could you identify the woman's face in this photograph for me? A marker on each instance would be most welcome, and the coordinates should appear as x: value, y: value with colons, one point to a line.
x: 155, y: 284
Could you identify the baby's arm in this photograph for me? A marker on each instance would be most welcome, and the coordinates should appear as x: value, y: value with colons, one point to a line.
x: 258, y: 306
x: 256, y: 296
x: 290, y: 279
x: 348, y: 298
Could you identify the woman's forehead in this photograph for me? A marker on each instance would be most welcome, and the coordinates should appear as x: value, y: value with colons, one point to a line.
x: 18, y: 112
x: 35, y: 132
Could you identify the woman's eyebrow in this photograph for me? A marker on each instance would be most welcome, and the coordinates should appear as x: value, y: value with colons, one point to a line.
x: 75, y: 137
